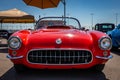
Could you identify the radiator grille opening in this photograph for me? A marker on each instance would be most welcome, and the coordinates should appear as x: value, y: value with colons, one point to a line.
x: 59, y: 56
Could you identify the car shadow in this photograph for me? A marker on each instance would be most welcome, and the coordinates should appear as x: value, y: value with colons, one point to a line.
x: 116, y: 51
x: 3, y: 49
x: 33, y: 74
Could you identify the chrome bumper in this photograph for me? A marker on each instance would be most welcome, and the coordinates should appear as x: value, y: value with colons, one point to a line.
x: 99, y: 57
x: 10, y: 57
x: 109, y: 57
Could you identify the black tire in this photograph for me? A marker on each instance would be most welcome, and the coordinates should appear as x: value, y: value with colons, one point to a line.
x: 110, y: 36
x: 19, y: 68
x: 99, y: 67
x: 114, y: 48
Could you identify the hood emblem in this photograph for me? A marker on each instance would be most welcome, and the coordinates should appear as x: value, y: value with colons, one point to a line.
x: 58, y: 41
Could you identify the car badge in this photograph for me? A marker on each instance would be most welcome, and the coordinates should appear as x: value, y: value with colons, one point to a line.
x: 58, y: 41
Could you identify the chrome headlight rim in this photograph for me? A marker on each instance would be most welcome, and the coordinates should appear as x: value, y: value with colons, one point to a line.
x: 20, y: 43
x: 100, y: 40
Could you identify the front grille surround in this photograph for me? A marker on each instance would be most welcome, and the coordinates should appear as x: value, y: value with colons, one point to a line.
x: 60, y: 58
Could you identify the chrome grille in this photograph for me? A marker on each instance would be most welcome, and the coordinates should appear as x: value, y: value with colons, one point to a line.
x: 60, y: 56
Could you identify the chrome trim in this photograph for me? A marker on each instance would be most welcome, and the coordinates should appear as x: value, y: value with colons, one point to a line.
x: 10, y: 57
x: 102, y: 39
x: 100, y: 57
x: 36, y: 27
x: 58, y: 41
x: 59, y: 49
x: 18, y: 39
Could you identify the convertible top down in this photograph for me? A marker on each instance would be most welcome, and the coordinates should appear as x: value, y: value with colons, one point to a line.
x: 59, y: 43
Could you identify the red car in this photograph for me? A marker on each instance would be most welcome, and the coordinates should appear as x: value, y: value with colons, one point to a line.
x: 59, y: 43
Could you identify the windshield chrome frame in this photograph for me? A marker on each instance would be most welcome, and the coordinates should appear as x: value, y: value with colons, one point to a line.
x: 59, y: 17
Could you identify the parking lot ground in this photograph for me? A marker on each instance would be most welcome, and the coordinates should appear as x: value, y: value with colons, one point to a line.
x: 5, y: 64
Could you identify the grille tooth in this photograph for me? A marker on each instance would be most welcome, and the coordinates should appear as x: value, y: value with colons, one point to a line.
x: 59, y: 56
x: 50, y: 57
x: 64, y: 56
x: 46, y: 57
x: 60, y: 59
x: 41, y: 56
x: 78, y: 57
x: 55, y: 56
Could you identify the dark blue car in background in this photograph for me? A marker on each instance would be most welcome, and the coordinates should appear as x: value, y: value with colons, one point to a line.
x: 115, y: 36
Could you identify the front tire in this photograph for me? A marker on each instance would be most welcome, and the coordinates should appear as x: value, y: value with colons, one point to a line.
x: 99, y: 67
x: 114, y: 48
x: 19, y: 68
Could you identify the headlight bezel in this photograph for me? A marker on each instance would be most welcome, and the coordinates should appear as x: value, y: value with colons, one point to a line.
x: 17, y: 38
x: 101, y: 39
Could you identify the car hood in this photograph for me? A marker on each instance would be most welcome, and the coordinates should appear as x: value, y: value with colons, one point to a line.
x: 70, y: 38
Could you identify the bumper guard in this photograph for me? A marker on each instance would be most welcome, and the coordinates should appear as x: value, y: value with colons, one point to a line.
x: 10, y: 57
x: 109, y: 57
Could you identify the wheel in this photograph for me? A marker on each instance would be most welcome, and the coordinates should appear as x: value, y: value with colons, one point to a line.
x: 19, y: 68
x: 114, y: 48
x: 110, y: 36
x: 99, y: 67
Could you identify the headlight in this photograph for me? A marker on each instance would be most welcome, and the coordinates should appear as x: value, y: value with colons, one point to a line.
x: 14, y: 43
x: 105, y: 43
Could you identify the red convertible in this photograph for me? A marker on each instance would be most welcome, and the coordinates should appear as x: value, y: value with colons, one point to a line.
x: 59, y: 43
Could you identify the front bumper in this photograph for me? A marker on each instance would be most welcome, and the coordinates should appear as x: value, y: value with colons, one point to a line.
x: 99, y: 57
x: 105, y: 58
x: 16, y: 60
x: 10, y: 57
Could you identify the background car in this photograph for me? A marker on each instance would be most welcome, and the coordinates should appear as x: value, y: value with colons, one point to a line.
x: 59, y: 43
x: 4, y: 34
x: 115, y: 36
x: 104, y: 27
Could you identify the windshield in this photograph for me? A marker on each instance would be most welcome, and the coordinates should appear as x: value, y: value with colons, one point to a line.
x: 58, y: 21
x: 107, y: 26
